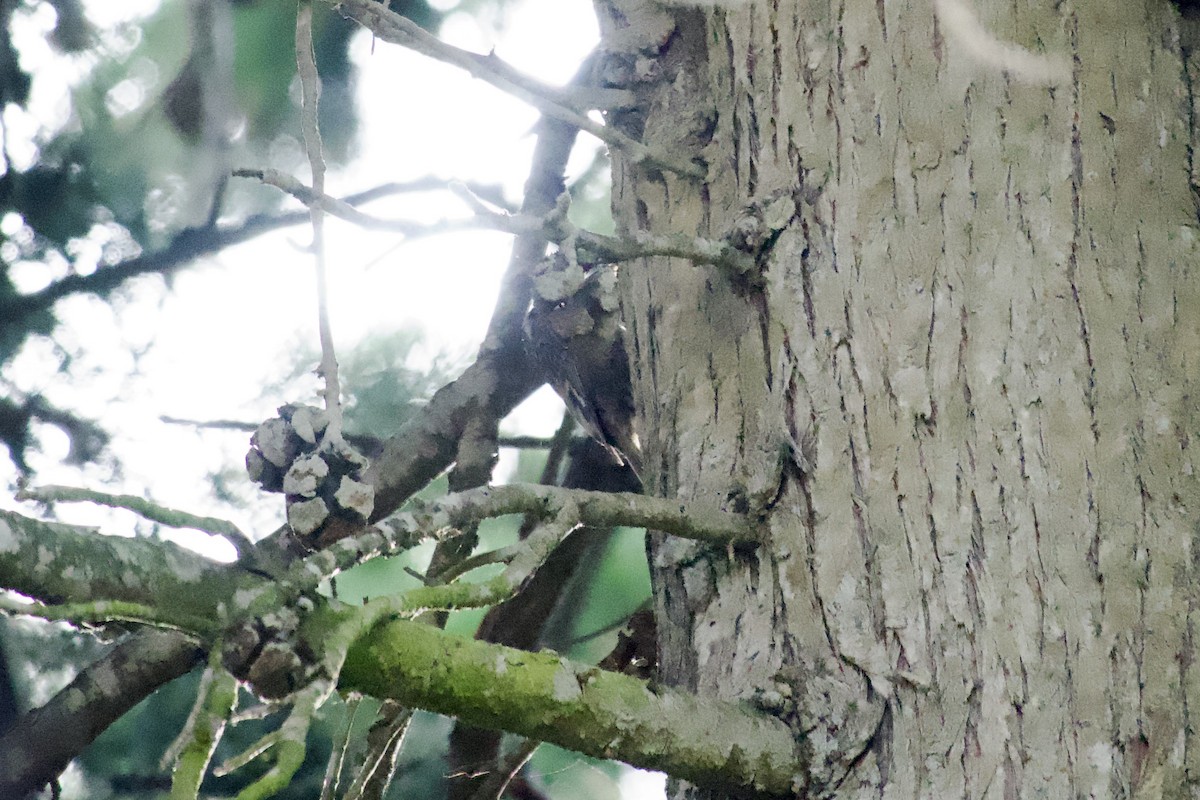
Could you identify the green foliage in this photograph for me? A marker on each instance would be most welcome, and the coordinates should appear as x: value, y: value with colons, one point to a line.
x: 382, y: 388
x: 613, y: 588
x: 562, y: 773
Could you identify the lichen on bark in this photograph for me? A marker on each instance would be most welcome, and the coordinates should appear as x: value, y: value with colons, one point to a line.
x: 982, y: 328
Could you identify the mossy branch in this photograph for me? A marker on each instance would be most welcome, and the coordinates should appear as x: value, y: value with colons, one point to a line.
x: 53, y: 562
x: 543, y: 696
x: 56, y: 563
x: 722, y: 745
x: 190, y: 754
x: 147, y: 509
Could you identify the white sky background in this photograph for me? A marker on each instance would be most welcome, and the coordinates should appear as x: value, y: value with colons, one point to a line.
x: 233, y: 323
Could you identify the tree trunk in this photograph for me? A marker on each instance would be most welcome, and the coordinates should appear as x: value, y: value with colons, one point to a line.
x: 963, y: 397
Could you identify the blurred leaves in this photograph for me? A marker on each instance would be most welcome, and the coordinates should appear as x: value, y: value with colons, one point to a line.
x: 383, y: 380
x: 153, y: 114
x: 383, y: 388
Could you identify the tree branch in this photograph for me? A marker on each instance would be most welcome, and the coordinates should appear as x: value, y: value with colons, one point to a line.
x: 53, y: 563
x: 499, y: 379
x: 394, y: 28
x: 442, y: 517
x: 369, y: 445
x: 566, y: 695
x: 502, y: 375
x: 544, y: 696
x: 170, y: 517
x: 189, y: 245
x: 552, y: 225
x: 477, y: 769
x: 37, y: 748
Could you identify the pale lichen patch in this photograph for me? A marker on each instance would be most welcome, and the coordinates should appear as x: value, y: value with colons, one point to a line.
x: 912, y: 391
x: 9, y: 543
x: 566, y: 683
x: 243, y: 598
x: 45, y: 558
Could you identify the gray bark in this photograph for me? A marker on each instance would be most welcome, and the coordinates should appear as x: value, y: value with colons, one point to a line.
x: 963, y: 400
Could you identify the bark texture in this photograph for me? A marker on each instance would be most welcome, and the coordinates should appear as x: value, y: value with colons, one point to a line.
x: 963, y: 400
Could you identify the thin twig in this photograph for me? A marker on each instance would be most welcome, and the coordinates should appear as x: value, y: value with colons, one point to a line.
x: 144, y: 508
x: 398, y: 29
x: 191, y: 244
x: 102, y: 612
x: 497, y: 780
x: 364, y: 443
x: 442, y: 518
x: 310, y: 84
x: 558, y: 450
x: 554, y: 226
x: 340, y: 750
x: 501, y: 555
x: 384, y: 739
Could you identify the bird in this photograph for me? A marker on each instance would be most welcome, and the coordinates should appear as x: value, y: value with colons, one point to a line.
x: 577, y: 341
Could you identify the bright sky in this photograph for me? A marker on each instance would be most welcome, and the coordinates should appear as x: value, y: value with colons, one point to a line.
x: 232, y: 324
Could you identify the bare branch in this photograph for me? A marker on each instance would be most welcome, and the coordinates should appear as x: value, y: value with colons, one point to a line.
x: 317, y: 201
x: 39, y: 745
x: 310, y: 90
x: 191, y: 244
x: 527, y: 442
x: 366, y: 444
x: 397, y: 29
x: 522, y: 561
x: 502, y: 375
x: 553, y: 226
x: 503, y: 770
x: 383, y: 741
x: 442, y: 517
x: 147, y: 509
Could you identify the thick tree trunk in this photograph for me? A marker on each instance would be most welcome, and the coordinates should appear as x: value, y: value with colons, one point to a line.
x: 964, y: 399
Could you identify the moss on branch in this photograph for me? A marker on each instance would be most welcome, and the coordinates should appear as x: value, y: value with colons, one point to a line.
x: 722, y: 745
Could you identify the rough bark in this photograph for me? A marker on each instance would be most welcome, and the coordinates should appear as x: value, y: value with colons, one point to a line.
x: 37, y: 748
x: 964, y: 399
